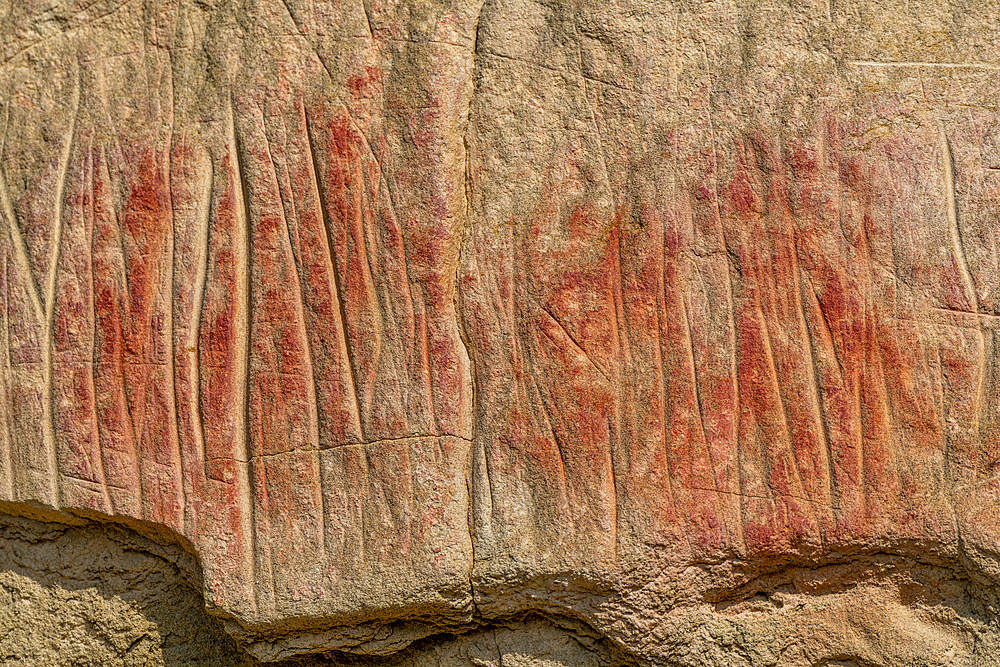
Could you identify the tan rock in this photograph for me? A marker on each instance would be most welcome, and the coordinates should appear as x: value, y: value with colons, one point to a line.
x: 677, y: 320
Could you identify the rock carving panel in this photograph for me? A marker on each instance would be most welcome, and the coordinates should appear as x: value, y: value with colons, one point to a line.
x: 411, y: 314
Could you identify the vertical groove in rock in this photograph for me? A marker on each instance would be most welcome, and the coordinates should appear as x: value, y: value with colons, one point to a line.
x: 243, y: 313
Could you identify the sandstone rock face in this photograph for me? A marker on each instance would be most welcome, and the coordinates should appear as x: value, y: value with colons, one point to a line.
x: 662, y: 332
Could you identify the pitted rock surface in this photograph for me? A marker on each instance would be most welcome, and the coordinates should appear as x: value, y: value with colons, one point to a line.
x: 675, y: 323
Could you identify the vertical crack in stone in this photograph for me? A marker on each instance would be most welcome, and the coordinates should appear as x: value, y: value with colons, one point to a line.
x: 474, y: 458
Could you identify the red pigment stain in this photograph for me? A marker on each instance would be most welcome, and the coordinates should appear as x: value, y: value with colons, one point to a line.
x: 801, y: 159
x: 366, y: 83
x: 740, y: 194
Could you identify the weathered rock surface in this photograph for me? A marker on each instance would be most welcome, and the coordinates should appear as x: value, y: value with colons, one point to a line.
x: 673, y: 323
x: 90, y: 594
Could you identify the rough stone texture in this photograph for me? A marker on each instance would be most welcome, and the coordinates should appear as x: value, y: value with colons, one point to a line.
x: 76, y: 592
x: 84, y: 593
x: 415, y: 319
x: 99, y: 594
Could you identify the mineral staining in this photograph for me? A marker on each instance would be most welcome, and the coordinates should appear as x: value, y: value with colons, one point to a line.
x: 416, y: 319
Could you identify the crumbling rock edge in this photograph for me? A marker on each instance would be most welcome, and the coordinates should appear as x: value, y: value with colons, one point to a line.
x: 163, y: 542
x: 843, y: 608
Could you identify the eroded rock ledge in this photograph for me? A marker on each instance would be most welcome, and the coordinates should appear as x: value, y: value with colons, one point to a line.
x: 80, y: 591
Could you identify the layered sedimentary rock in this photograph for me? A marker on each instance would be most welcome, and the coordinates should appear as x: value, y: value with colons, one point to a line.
x: 410, y: 317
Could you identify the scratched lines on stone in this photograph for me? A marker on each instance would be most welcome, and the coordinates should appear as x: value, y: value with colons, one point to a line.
x: 980, y: 381
x: 26, y: 274
x: 968, y: 286
x: 815, y: 337
x: 942, y: 410
x: 134, y: 377
x: 809, y: 349
x: 789, y: 412
x: 592, y: 111
x: 924, y: 63
x: 417, y: 438
x: 424, y: 352
x: 89, y: 217
x: 49, y: 432
x: 816, y: 398
x: 623, y: 351
x: 864, y: 428
x: 64, y: 33
x: 885, y: 395
x: 191, y: 345
x: 45, y: 308
x: 242, y: 298
x: 519, y: 355
x: 662, y: 326
x: 871, y: 394
x: 666, y: 271
x: 698, y: 441
x: 365, y: 228
x: 485, y: 503
x: 982, y: 324
x: 344, y: 367
x: 571, y: 497
x: 366, y: 6
x: 621, y: 340
x: 112, y: 228
x: 7, y: 475
x: 298, y: 299
x: 783, y: 447
x: 7, y: 443
x: 560, y: 72
x: 735, y: 379
x: 547, y: 409
x: 465, y: 236
x: 305, y: 37
x: 688, y: 335
x: 721, y: 450
x: 20, y: 250
x: 572, y: 342
x: 344, y: 351
x: 330, y: 255
x: 478, y: 468
x: 357, y: 229
x: 825, y: 329
x: 259, y: 500
x: 169, y: 346
x: 724, y: 242
x: 393, y: 237
x: 951, y: 208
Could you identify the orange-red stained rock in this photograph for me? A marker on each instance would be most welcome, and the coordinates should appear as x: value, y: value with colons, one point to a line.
x: 375, y: 305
